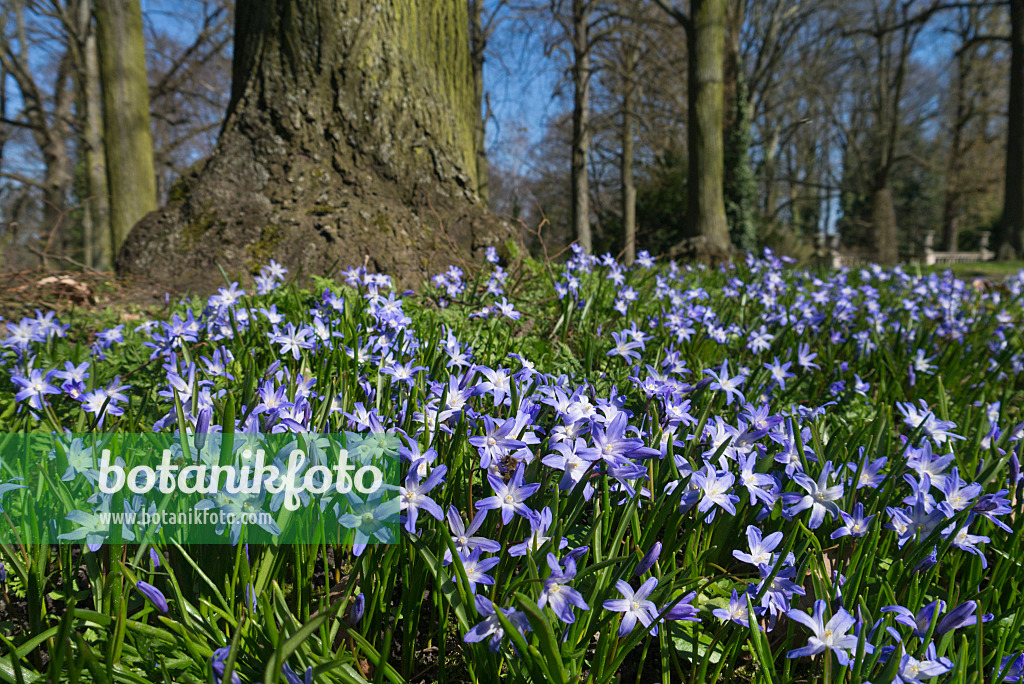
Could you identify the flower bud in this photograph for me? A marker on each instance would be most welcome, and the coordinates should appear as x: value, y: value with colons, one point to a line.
x: 355, y: 614
x: 647, y: 562
x: 153, y: 595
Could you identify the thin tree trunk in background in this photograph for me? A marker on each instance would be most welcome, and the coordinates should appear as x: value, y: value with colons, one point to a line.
x: 626, y: 161
x: 1012, y: 224
x: 128, y: 141
x: 478, y: 48
x: 706, y: 203
x: 951, y: 206
x: 953, y: 195
x: 50, y: 133
x: 581, y: 124
x: 883, y: 224
x: 97, y: 248
x: 57, y: 178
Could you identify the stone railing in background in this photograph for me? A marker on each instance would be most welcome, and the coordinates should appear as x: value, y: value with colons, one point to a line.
x: 833, y: 257
x: 931, y: 257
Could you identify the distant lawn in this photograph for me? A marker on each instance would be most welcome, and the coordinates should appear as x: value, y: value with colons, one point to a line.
x: 984, y: 269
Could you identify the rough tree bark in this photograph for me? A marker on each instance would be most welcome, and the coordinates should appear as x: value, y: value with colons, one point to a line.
x: 478, y: 49
x: 629, y: 88
x: 96, y: 247
x: 706, y: 229
x: 706, y: 202
x: 1012, y: 224
x: 127, y: 138
x: 581, y: 72
x: 953, y: 198
x: 883, y: 223
x: 349, y: 138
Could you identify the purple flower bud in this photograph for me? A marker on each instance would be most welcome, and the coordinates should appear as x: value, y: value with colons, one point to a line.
x: 1014, y: 471
x: 355, y: 614
x: 961, y: 616
x: 3, y: 573
x: 217, y: 664
x: 683, y: 611
x: 985, y: 504
x: 154, y: 595
x: 927, y: 562
x: 154, y: 558
x: 203, y: 427
x: 647, y: 562
x: 291, y: 678
x: 575, y: 554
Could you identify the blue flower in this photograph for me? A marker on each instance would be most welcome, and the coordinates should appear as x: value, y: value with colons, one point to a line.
x: 625, y: 346
x: 760, y: 548
x: 1012, y: 667
x: 730, y: 385
x: 737, y: 611
x: 856, y: 525
x: 558, y: 594
x: 476, y: 568
x: 292, y: 678
x: 509, y: 497
x: 635, y: 606
x: 355, y: 613
x: 831, y: 635
x: 539, y: 525
x: 496, y: 442
x: 413, y: 496
x: 913, y: 671
x: 715, y: 486
x: 463, y: 537
x: 820, y: 497
x: 491, y: 627
x: 34, y: 388
x: 218, y: 663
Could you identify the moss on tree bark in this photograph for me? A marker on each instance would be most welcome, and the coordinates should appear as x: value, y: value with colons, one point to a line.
x: 350, y: 139
x: 127, y: 138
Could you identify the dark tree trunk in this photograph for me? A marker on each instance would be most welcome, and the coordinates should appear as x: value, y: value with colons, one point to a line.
x: 95, y: 241
x: 127, y: 137
x: 581, y: 124
x: 706, y: 202
x: 478, y: 50
x: 951, y: 205
x: 883, y: 224
x: 1012, y: 225
x: 350, y: 139
x: 629, y: 97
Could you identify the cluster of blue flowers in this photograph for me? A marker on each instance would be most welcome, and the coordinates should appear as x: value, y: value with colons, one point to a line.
x: 745, y: 443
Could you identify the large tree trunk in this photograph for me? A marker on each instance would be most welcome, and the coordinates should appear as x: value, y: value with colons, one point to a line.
x: 57, y: 178
x: 706, y: 204
x: 349, y: 137
x: 96, y: 247
x: 131, y: 179
x: 1012, y: 224
x: 883, y: 224
x: 626, y: 162
x: 952, y: 201
x: 581, y: 124
x: 478, y: 50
